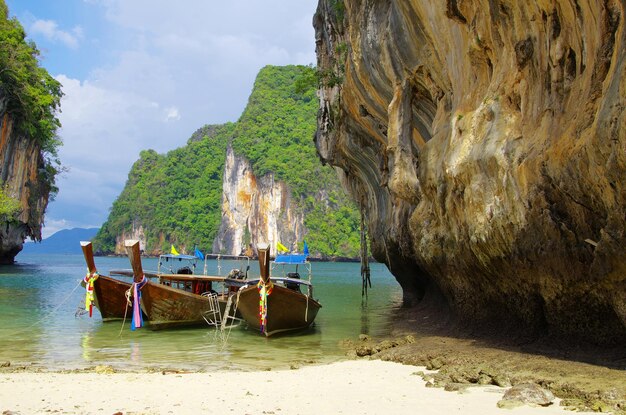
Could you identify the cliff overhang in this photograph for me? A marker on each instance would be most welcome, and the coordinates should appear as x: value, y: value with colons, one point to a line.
x: 486, y: 143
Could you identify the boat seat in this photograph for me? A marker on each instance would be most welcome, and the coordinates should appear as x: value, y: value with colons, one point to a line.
x: 291, y: 285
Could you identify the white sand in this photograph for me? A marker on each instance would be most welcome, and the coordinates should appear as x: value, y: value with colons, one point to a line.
x: 351, y: 387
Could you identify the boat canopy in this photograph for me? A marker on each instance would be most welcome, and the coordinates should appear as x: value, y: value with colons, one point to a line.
x: 290, y: 259
x: 179, y: 257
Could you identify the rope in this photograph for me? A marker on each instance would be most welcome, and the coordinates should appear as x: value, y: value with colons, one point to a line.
x: 60, y: 304
x: 365, y: 267
x: 53, y: 310
x: 128, y: 304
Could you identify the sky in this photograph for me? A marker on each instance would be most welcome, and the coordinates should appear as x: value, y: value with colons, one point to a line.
x: 145, y: 74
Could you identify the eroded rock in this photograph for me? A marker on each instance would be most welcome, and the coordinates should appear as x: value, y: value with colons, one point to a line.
x: 487, y: 145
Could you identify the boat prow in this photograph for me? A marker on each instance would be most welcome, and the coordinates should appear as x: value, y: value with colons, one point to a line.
x: 287, y: 310
x: 278, y: 305
x: 109, y: 293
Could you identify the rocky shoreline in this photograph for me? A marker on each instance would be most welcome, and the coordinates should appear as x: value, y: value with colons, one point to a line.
x: 456, y: 364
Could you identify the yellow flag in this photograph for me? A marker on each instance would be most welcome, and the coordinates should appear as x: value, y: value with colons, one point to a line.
x: 281, y: 248
x: 174, y: 251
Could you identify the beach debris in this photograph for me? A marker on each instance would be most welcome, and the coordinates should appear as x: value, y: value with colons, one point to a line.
x: 456, y: 387
x: 175, y: 371
x: 104, y: 369
x: 526, y: 394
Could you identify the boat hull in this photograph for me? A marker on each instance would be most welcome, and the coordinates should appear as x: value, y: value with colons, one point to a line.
x: 287, y: 310
x: 110, y: 298
x: 167, y: 307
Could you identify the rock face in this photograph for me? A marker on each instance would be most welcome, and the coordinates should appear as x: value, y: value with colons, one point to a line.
x: 487, y: 142
x: 20, y: 163
x: 254, y: 210
x: 137, y: 233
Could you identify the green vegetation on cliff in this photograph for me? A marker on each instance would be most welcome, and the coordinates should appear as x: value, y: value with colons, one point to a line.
x: 275, y: 133
x: 9, y: 206
x: 176, y: 198
x: 28, y: 93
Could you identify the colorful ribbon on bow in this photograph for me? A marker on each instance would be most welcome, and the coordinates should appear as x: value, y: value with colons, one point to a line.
x: 89, y: 295
x: 264, y: 291
x: 137, y: 321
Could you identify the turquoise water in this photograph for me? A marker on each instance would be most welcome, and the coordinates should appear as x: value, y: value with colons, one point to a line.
x: 40, y: 295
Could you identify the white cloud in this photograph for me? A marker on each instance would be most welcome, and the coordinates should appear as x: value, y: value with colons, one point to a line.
x: 50, y: 30
x: 172, y: 114
x: 103, y: 132
x: 53, y: 226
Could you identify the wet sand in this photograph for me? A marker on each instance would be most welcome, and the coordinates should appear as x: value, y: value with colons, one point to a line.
x: 349, y: 387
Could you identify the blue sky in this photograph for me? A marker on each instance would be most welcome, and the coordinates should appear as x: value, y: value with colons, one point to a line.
x: 145, y: 74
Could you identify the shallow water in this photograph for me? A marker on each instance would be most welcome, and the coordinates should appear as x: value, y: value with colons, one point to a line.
x: 40, y: 295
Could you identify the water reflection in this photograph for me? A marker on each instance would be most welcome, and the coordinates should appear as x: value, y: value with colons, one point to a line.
x: 85, y: 344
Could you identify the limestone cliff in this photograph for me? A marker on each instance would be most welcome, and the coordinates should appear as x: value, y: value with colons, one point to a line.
x: 235, y: 184
x: 486, y: 141
x: 254, y: 210
x: 29, y: 101
x: 21, y: 161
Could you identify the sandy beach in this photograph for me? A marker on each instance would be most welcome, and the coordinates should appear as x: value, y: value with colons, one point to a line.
x: 348, y: 387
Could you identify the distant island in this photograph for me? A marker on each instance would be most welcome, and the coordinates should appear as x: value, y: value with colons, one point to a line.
x: 65, y: 241
x: 235, y: 184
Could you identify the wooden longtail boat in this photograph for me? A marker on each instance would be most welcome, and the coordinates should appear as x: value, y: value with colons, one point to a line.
x: 178, y: 300
x: 109, y: 293
x: 276, y: 304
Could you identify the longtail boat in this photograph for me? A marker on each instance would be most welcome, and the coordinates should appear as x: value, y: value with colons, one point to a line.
x: 276, y: 304
x: 106, y: 293
x: 180, y: 299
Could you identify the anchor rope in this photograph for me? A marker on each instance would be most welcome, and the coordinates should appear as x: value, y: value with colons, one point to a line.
x: 59, y: 305
x: 128, y: 304
x: 54, y: 310
x: 365, y: 267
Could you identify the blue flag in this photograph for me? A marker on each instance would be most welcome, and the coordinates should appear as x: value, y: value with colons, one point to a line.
x: 306, y: 249
x: 199, y: 254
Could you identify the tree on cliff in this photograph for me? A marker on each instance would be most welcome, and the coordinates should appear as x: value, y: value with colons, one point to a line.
x: 29, y: 94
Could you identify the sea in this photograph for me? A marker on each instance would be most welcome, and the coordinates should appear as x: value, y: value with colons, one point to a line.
x: 43, y: 323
